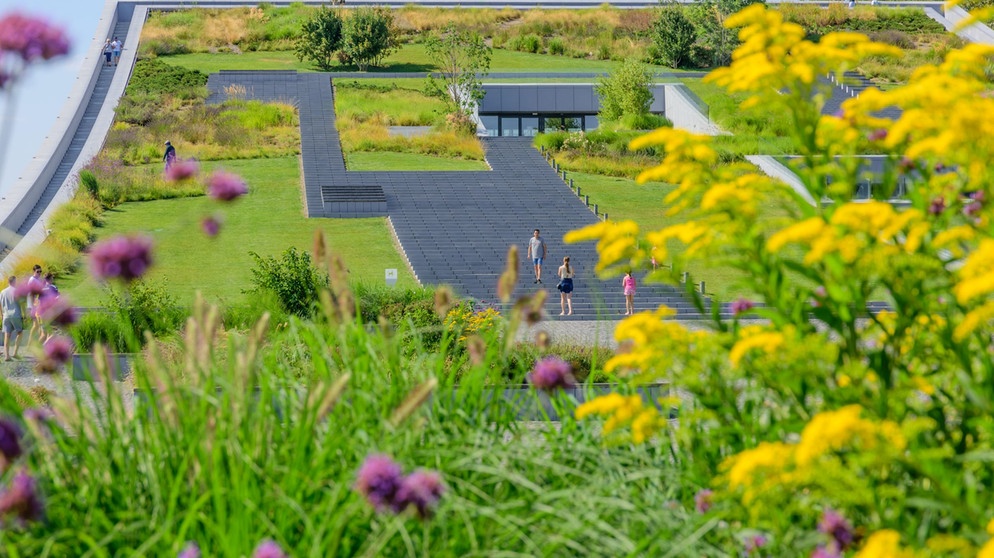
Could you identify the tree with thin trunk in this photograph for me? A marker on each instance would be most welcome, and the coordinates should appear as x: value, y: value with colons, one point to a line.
x: 463, y: 58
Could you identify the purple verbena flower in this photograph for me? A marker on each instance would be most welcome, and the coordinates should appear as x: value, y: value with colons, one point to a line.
x: 32, y: 38
x: 977, y: 196
x: 906, y: 164
x: 20, y: 499
x: 182, y: 170
x: 834, y: 525
x: 972, y: 209
x: 378, y: 480
x: 742, y: 306
x: 878, y: 134
x: 937, y: 206
x: 825, y: 552
x: 123, y: 257
x: 191, y: 550
x: 754, y: 543
x: 28, y: 288
x: 702, y: 500
x: 421, y: 489
x: 58, y: 349
x: 58, y: 310
x: 10, y: 440
x: 211, y: 226
x: 268, y: 549
x: 225, y: 186
x: 551, y: 373
x: 939, y: 167
x: 38, y: 415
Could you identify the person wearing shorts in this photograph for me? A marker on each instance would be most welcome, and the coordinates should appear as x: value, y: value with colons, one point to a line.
x: 13, y: 323
x: 628, y: 283
x: 108, y: 52
x: 566, y: 275
x: 536, y: 252
x: 115, y: 47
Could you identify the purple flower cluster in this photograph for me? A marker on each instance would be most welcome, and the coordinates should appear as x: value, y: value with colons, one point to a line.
x: 57, y: 351
x: 937, y: 206
x: 268, y: 549
x: 754, y: 543
x: 27, y: 288
x: 825, y: 552
x: 20, y: 499
x: 191, y: 550
x: 703, y: 501
x: 225, y: 186
x: 551, y: 373
x: 211, y: 226
x: 10, y: 440
x: 382, y: 482
x: 123, y: 257
x: 32, y: 38
x: 182, y: 170
x: 742, y: 306
x: 58, y: 310
x: 835, y: 526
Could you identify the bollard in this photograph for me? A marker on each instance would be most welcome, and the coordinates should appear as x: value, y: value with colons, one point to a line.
x: 586, y: 200
x: 577, y: 191
x: 541, y: 148
x: 701, y: 287
x: 684, y: 277
x: 570, y: 183
x: 595, y: 210
x: 564, y: 175
x: 605, y: 215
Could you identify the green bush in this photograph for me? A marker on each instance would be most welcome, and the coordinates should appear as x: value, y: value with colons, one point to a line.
x: 586, y: 362
x: 320, y: 37
x: 557, y: 47
x: 893, y: 37
x: 551, y: 141
x: 102, y: 327
x: 673, y: 36
x: 627, y: 91
x: 293, y: 278
x: 367, y: 37
x: 145, y: 306
x: 155, y: 77
x: 89, y: 182
x: 644, y: 121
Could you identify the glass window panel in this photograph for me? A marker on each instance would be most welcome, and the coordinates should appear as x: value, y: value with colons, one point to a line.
x: 529, y: 125
x: 590, y: 122
x: 509, y: 125
x: 490, y: 123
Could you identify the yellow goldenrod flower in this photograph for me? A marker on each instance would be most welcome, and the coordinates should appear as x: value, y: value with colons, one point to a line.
x: 883, y: 544
x: 805, y: 231
x: 768, y: 341
x: 743, y: 466
x: 973, y: 320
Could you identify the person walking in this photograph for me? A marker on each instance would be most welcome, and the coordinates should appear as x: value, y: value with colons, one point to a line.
x: 34, y: 286
x: 565, y: 287
x: 108, y: 52
x: 12, y: 320
x: 115, y: 47
x: 537, y: 251
x: 170, y: 156
x: 628, y: 283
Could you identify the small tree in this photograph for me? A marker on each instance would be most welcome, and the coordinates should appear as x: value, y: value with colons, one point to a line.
x: 293, y: 278
x: 674, y: 36
x: 366, y: 37
x: 320, y: 37
x: 463, y: 58
x: 627, y: 91
x: 716, y: 41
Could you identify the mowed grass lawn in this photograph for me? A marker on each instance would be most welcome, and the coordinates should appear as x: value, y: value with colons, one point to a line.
x: 390, y: 161
x: 409, y: 58
x: 267, y: 221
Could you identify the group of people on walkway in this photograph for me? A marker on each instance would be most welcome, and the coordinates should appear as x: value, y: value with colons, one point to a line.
x: 537, y: 251
x: 34, y: 290
x: 112, y: 52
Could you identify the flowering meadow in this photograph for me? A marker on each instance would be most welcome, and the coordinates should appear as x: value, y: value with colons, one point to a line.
x: 803, y: 426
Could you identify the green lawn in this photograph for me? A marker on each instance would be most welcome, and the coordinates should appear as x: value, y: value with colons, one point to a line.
x: 267, y: 221
x: 409, y: 58
x: 391, y: 161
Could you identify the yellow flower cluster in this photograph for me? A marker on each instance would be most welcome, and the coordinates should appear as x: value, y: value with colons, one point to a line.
x: 624, y: 410
x: 756, y: 337
x: 654, y: 345
x: 835, y: 430
x: 773, y: 464
x: 615, y: 242
x: 774, y: 55
x: 852, y: 229
x: 884, y: 544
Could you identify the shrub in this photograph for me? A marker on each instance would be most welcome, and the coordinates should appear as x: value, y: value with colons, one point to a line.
x: 644, y: 121
x: 673, y: 36
x: 626, y: 91
x: 155, y: 77
x: 893, y: 37
x: 320, y: 38
x: 557, y: 47
x: 552, y: 141
x: 293, y: 278
x: 89, y: 182
x: 144, y: 306
x: 102, y: 327
x: 367, y: 36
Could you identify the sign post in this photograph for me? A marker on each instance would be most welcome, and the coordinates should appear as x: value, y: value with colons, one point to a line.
x: 391, y: 276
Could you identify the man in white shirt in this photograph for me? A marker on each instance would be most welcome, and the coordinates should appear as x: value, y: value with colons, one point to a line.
x: 536, y: 251
x: 12, y: 321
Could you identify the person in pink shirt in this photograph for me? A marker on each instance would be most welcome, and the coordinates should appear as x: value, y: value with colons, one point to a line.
x: 629, y: 285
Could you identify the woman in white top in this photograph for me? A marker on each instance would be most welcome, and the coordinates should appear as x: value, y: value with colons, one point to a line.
x: 566, y: 287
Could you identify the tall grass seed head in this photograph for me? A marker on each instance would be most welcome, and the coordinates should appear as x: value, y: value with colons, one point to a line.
x: 378, y: 480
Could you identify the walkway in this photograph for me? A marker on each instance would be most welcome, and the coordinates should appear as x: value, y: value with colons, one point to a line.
x: 454, y: 227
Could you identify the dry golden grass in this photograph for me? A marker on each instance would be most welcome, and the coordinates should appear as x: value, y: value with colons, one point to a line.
x: 369, y: 136
x: 417, y: 19
x: 225, y: 29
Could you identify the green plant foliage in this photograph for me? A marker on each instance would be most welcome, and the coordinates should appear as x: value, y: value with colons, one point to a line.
x: 144, y: 306
x: 674, y: 36
x: 293, y: 278
x: 320, y: 38
x: 155, y: 77
x: 715, y: 42
x: 627, y: 91
x: 367, y: 37
x: 463, y: 59
x: 101, y: 327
